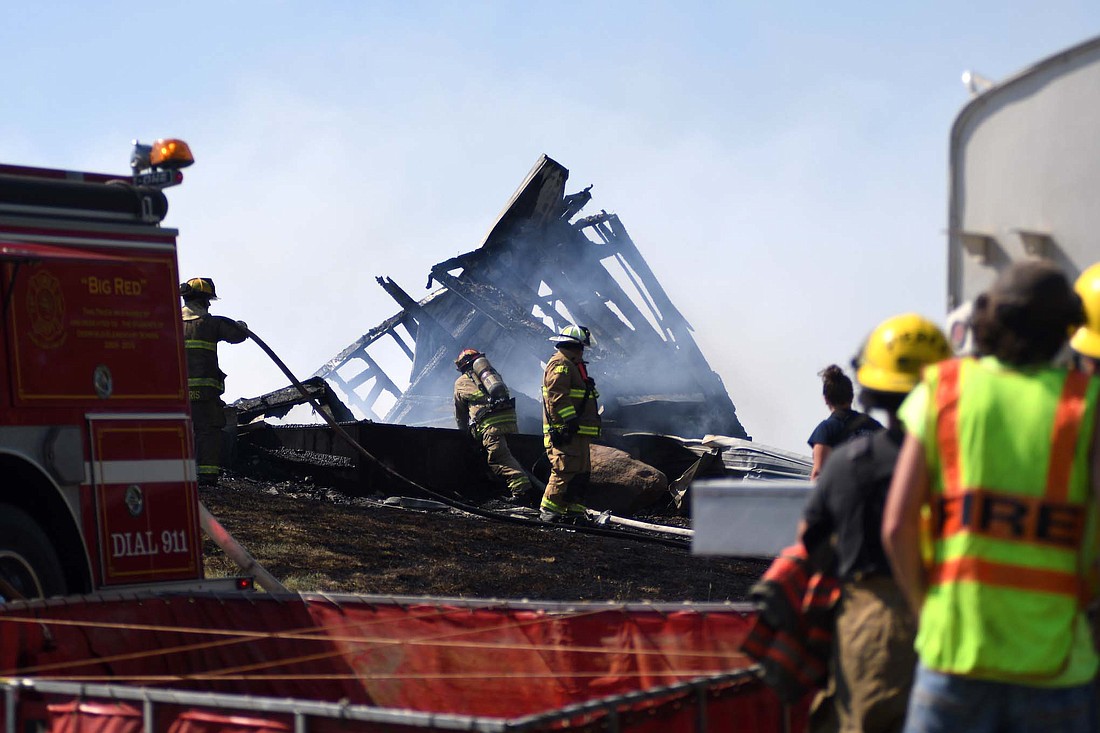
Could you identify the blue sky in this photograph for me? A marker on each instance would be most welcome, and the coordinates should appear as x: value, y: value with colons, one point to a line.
x: 782, y: 166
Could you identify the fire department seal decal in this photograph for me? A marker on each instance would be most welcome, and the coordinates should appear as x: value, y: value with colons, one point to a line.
x: 102, y: 382
x: 46, y: 306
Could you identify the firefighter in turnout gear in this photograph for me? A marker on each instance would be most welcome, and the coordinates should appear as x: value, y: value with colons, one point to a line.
x: 571, y: 420
x: 484, y: 408
x: 205, y: 380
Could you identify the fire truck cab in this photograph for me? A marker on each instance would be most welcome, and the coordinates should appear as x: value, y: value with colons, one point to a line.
x: 97, y: 471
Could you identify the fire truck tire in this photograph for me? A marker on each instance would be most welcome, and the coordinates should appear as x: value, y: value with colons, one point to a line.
x: 28, y: 563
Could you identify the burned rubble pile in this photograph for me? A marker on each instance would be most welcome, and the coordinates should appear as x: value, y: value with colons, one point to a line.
x: 541, y: 267
x: 302, y: 497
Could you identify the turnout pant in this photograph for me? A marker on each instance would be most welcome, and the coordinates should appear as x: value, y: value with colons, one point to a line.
x: 570, y: 468
x: 502, y: 463
x: 208, y: 419
x: 873, y: 661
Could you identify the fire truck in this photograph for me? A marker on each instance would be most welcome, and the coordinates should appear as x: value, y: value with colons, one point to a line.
x: 97, y: 471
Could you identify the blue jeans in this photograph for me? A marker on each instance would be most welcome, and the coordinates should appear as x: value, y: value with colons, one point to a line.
x: 943, y: 702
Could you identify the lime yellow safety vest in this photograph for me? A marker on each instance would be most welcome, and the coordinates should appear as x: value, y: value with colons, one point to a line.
x: 1011, y: 516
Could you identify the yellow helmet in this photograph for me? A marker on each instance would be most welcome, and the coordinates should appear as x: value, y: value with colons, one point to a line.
x: 199, y: 286
x: 897, y: 350
x: 1086, y: 340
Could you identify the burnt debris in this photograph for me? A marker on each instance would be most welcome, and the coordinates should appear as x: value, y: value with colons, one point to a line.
x: 278, y: 403
x: 539, y: 269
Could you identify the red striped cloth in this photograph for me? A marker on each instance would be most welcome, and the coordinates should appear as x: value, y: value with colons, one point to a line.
x: 792, y: 635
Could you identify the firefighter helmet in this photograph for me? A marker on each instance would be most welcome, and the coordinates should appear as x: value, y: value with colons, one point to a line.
x: 897, y: 350
x: 199, y: 287
x: 1086, y: 340
x: 571, y: 335
x: 465, y: 360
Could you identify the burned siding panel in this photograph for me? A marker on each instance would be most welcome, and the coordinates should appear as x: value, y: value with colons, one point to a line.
x: 536, y: 271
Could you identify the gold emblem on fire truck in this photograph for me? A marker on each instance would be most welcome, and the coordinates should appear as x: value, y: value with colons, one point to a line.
x: 46, y: 306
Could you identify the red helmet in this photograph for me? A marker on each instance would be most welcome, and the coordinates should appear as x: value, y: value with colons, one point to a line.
x: 466, y: 359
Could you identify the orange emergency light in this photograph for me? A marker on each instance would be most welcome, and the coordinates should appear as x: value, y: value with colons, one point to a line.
x: 158, y: 165
x: 170, y: 153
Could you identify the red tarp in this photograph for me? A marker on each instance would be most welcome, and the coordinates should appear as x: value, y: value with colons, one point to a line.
x: 477, y: 659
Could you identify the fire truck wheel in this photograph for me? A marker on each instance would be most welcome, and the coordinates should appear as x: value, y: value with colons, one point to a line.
x: 28, y: 564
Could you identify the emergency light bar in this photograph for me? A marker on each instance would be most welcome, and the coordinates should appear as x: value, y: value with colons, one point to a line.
x: 158, y: 164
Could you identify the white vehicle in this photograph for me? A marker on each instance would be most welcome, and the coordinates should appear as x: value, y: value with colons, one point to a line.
x: 1025, y: 171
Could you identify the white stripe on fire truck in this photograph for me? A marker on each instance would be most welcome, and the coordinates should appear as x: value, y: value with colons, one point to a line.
x: 116, y: 243
x: 143, y: 472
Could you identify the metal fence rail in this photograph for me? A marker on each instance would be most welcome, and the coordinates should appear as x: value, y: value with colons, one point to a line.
x: 694, y: 691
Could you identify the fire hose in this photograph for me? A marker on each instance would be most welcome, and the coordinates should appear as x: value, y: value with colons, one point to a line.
x: 339, y: 430
x: 609, y: 518
x: 233, y: 549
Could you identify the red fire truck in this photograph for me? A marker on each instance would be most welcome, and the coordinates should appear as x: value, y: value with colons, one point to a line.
x: 97, y: 462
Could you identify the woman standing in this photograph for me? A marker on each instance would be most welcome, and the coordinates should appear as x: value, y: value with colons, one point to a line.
x: 843, y: 422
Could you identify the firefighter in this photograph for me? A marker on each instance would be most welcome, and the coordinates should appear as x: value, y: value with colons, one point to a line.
x: 571, y: 420
x: 990, y: 519
x: 873, y: 657
x: 1086, y: 340
x: 205, y: 380
x: 484, y: 408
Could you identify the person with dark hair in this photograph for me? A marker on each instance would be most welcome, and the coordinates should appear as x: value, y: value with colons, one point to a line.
x: 873, y: 659
x: 205, y: 380
x: 990, y: 523
x: 843, y: 422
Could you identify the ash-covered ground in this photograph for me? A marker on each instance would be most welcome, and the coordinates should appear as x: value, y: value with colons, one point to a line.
x: 317, y: 539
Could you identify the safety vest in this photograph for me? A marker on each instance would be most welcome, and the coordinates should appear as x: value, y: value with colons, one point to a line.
x: 1011, y: 516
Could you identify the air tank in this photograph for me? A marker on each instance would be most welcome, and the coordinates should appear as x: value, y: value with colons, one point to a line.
x: 492, y: 382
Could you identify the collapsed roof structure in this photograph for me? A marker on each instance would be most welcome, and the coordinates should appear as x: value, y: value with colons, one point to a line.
x: 539, y: 269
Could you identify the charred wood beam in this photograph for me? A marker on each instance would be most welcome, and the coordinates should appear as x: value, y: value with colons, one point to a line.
x: 401, y: 342
x: 464, y: 261
x: 421, y: 384
x: 625, y: 303
x: 279, y: 402
x: 580, y: 300
x: 376, y: 392
x: 604, y: 232
x: 630, y: 252
x: 643, y: 292
x: 676, y: 321
x: 489, y: 310
x: 383, y: 328
x: 373, y: 371
x: 353, y: 398
x: 356, y: 401
x: 415, y: 309
x: 574, y: 202
x: 588, y: 304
